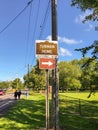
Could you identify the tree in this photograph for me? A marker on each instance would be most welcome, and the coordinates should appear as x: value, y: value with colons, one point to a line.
x: 89, y: 77
x: 94, y: 52
x: 69, y: 74
x: 90, y: 5
x: 4, y: 84
x: 93, y: 6
x: 36, y: 79
x: 75, y: 83
x: 17, y: 84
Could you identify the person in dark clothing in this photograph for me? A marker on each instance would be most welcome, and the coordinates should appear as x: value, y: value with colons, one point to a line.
x: 15, y: 94
x: 19, y: 94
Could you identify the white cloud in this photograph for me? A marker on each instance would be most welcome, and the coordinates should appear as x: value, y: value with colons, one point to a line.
x: 64, y: 52
x: 69, y: 40
x: 66, y: 40
x: 81, y: 17
x: 90, y: 27
x: 49, y: 37
x: 21, y: 78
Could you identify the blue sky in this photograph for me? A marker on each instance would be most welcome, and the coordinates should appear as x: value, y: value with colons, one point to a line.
x: 17, y: 41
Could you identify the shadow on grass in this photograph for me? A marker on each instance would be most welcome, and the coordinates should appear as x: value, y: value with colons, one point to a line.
x: 29, y: 114
x: 26, y: 114
x: 76, y: 114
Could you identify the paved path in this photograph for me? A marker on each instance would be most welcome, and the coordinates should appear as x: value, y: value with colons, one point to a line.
x: 6, y: 102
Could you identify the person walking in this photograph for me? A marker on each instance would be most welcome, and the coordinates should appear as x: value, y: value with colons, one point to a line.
x: 19, y: 94
x: 15, y: 94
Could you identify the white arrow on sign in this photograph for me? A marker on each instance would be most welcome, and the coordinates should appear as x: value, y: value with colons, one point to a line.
x: 49, y: 63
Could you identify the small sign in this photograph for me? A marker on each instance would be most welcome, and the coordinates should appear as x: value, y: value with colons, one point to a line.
x: 46, y: 47
x: 47, y: 63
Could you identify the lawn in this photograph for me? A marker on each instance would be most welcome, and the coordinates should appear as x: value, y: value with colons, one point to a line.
x: 27, y: 114
x: 77, y: 112
x: 82, y: 95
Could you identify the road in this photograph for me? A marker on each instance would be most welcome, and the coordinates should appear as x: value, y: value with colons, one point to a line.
x: 6, y: 102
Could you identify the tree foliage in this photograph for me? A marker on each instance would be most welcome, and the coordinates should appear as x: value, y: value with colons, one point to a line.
x: 93, y: 6
x: 74, y: 76
x: 90, y: 5
x: 36, y: 78
x: 69, y: 73
x: 4, y: 84
x: 94, y: 52
x: 89, y: 73
x: 16, y: 84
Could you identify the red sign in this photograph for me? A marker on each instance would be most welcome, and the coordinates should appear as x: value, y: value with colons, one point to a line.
x: 47, y: 63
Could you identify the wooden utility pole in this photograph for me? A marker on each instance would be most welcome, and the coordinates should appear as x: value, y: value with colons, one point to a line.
x: 55, y: 88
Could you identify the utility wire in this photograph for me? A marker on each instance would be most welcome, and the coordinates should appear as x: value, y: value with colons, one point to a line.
x: 42, y: 25
x: 16, y: 17
x: 35, y: 26
x: 28, y: 33
x: 44, y: 20
x: 28, y: 4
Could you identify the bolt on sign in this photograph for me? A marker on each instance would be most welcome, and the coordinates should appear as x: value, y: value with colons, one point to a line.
x: 46, y: 47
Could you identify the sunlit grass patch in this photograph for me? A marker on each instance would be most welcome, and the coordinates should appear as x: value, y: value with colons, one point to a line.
x: 76, y: 112
x: 26, y: 114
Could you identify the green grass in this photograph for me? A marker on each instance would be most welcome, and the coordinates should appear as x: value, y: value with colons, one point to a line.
x: 81, y: 95
x: 77, y: 112
x: 25, y: 115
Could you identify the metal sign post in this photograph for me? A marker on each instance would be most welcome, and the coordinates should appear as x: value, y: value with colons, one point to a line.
x: 47, y: 101
x: 47, y: 51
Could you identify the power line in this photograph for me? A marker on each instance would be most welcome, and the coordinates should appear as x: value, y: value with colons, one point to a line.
x: 44, y: 20
x: 42, y: 25
x: 36, y: 21
x: 28, y: 33
x: 16, y: 17
x: 34, y: 30
x: 13, y: 20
